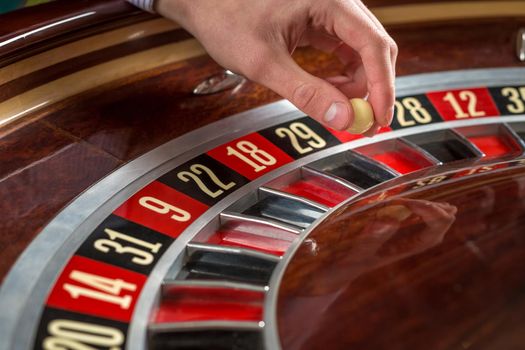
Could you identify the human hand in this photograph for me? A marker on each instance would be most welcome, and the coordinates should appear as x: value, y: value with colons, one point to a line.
x: 256, y: 39
x: 412, y: 239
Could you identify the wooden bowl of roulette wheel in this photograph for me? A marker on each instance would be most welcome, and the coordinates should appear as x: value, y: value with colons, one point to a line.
x: 152, y: 200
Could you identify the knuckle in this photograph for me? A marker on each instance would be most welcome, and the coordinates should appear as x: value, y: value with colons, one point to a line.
x: 393, y: 47
x: 383, y: 43
x: 256, y: 67
x: 379, y: 40
x: 304, y: 96
x: 389, y: 90
x: 386, y: 90
x: 340, y: 6
x: 389, y: 94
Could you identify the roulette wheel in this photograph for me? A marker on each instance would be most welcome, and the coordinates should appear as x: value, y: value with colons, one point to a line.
x: 152, y: 200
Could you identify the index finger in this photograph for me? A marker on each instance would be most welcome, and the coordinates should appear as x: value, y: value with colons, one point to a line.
x: 358, y: 31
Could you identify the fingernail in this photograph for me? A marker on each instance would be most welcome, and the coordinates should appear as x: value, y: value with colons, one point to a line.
x: 337, y: 116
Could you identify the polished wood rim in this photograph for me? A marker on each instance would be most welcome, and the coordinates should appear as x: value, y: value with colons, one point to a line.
x: 84, y: 46
x: 86, y: 79
x: 27, y: 86
x: 448, y: 11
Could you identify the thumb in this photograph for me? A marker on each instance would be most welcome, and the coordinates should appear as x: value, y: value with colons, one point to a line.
x: 312, y: 95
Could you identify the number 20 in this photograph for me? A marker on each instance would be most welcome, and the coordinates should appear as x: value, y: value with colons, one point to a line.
x: 74, y: 335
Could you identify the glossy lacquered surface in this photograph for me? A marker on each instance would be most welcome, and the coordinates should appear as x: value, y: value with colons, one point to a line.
x: 435, y: 268
x: 34, y: 29
x: 51, y: 156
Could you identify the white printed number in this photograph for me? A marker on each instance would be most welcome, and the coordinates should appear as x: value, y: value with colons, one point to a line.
x: 428, y: 182
x: 517, y: 98
x: 249, y: 153
x: 465, y: 96
x: 418, y: 114
x: 141, y: 256
x: 161, y: 207
x: 74, y: 335
x: 300, y: 131
x: 100, y: 288
x: 196, y: 170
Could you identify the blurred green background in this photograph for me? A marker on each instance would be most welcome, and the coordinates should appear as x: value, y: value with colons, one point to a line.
x: 11, y: 5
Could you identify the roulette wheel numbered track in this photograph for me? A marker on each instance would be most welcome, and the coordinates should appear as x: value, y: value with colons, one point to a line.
x: 195, y: 261
x: 186, y: 245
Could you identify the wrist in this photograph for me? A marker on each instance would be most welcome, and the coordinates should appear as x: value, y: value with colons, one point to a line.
x: 176, y: 10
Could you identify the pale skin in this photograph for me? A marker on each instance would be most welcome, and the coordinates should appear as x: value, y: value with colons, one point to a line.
x: 256, y: 39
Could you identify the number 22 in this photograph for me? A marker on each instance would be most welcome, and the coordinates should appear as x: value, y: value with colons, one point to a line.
x: 198, y: 169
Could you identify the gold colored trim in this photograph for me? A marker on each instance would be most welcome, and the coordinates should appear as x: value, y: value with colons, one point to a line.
x: 89, y: 78
x: 447, y: 11
x: 84, y: 46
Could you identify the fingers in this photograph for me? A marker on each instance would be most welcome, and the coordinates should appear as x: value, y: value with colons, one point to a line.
x: 437, y: 216
x: 379, y: 26
x: 354, y: 83
x: 375, y: 47
x: 373, y: 130
x: 351, y: 87
x: 314, y: 96
x: 378, y: 232
x: 320, y: 40
x: 357, y: 84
